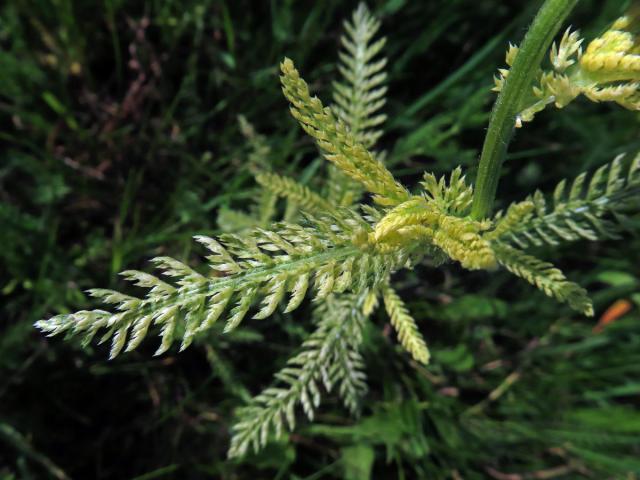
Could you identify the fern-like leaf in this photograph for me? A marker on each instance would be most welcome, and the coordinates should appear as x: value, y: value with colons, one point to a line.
x: 336, y: 142
x: 453, y: 197
x: 288, y: 188
x: 260, y: 266
x: 585, y: 209
x: 360, y: 94
x: 437, y: 218
x: 545, y: 277
x: 405, y: 326
x: 329, y: 357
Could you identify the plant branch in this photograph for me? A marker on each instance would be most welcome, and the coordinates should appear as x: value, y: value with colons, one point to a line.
x: 548, y: 21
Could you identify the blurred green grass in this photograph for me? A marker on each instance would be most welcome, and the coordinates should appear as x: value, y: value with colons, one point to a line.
x: 120, y: 141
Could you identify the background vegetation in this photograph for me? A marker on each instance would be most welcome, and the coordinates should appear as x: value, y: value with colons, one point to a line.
x: 120, y: 141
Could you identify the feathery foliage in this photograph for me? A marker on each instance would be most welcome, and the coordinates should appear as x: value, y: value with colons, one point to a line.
x: 607, y: 71
x: 589, y: 208
x: 545, y: 277
x: 439, y: 217
x: 405, y: 326
x: 259, y: 266
x: 357, y: 98
x: 286, y: 187
x: 337, y: 143
x: 344, y: 258
x: 329, y: 358
x: 360, y: 95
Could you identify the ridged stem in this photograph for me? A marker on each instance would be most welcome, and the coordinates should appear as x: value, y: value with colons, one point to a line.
x: 536, y: 42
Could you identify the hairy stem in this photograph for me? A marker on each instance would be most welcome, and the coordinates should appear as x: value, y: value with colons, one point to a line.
x: 502, y: 123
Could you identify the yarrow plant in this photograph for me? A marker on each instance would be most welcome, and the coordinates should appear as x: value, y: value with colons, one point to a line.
x: 608, y: 70
x: 342, y: 253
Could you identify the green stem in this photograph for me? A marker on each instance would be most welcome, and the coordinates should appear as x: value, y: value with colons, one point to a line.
x: 545, y: 26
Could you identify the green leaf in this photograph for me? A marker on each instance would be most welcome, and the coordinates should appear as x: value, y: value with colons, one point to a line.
x: 617, y: 279
x: 357, y: 462
x: 458, y: 359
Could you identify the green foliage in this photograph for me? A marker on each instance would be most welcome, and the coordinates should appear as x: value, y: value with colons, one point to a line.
x: 582, y: 210
x: 408, y: 333
x: 607, y: 71
x: 338, y: 250
x: 261, y: 266
x: 337, y: 142
x: 545, y: 277
x: 498, y: 395
x: 302, y: 195
x: 438, y: 219
x: 329, y: 358
x: 361, y: 94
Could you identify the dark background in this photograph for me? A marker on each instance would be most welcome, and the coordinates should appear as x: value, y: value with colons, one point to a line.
x: 119, y: 141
